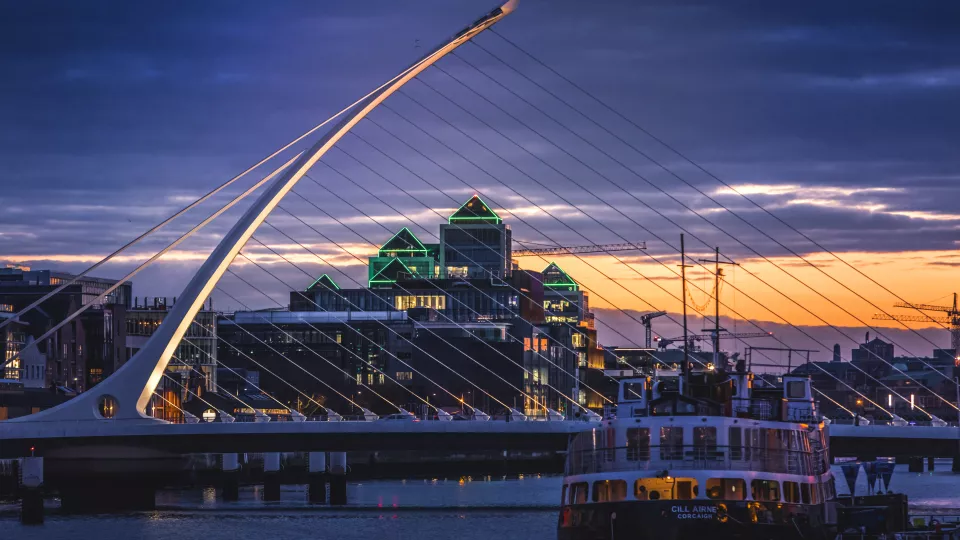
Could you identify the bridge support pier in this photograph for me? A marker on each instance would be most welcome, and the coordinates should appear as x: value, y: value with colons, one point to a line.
x: 31, y: 491
x: 956, y: 463
x: 915, y: 465
x: 338, y: 478
x: 271, y: 476
x: 230, y: 476
x: 317, y: 477
x: 930, y: 465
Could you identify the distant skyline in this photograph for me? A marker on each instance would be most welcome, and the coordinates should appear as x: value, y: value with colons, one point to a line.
x: 842, y: 119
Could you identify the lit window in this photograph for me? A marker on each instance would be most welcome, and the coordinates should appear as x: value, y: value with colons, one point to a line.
x: 404, y: 375
x: 609, y: 491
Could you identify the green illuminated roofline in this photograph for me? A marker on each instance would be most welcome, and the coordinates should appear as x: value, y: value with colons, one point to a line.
x: 569, y: 283
x: 423, y: 248
x: 388, y: 280
x: 330, y: 279
x: 494, y: 217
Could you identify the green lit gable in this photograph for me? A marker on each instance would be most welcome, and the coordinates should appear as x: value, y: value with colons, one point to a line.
x: 389, y: 274
x: 555, y: 278
x: 474, y: 211
x: 324, y: 282
x: 405, y: 244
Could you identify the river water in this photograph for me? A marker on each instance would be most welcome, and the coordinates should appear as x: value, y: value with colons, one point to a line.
x: 471, y: 509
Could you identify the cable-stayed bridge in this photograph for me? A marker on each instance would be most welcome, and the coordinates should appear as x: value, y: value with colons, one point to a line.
x: 115, y: 412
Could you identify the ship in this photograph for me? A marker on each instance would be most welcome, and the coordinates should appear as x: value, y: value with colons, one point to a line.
x: 712, y: 453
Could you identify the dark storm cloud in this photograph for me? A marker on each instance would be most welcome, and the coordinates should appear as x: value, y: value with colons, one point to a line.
x: 115, y: 114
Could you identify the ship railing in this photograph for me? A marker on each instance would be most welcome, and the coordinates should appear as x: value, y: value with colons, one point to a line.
x: 667, y: 458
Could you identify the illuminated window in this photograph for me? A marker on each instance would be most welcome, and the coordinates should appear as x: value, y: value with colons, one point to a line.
x: 730, y: 489
x: 209, y: 415
x: 609, y: 491
x: 579, y: 340
x: 369, y: 378
x: 402, y: 302
x: 404, y: 375
x: 526, y: 344
x: 457, y: 271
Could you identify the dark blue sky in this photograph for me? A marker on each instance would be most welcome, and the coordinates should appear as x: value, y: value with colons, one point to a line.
x: 844, y: 115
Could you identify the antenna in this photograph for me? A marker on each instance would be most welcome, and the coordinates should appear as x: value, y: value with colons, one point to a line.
x: 716, y: 297
x: 685, y: 370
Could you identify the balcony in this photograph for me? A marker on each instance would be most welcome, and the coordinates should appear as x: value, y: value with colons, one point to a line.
x: 695, y: 458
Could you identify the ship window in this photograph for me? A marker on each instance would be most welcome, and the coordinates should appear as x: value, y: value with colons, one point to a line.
x: 705, y: 441
x: 686, y: 489
x: 765, y: 490
x: 638, y: 444
x: 578, y: 492
x: 791, y: 492
x: 796, y: 389
x: 805, y: 493
x: 652, y: 489
x: 815, y: 494
x: 671, y: 443
x: 728, y: 489
x: 633, y: 391
x: 609, y: 491
x: 563, y: 495
x: 735, y: 443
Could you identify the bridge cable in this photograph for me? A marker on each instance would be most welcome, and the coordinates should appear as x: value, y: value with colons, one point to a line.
x: 638, y: 175
x: 367, y: 362
x: 324, y: 261
x: 521, y: 219
x: 614, y: 208
x: 146, y: 263
x: 593, y: 291
x: 352, y: 181
x: 261, y: 366
x: 352, y: 402
x: 682, y: 156
x: 474, y: 287
x: 213, y: 192
x: 219, y: 362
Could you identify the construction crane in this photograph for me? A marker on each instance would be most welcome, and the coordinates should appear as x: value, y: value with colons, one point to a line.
x: 573, y: 250
x: 645, y: 320
x: 710, y: 337
x: 952, y: 318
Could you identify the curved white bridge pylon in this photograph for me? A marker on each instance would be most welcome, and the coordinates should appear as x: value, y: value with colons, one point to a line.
x: 130, y: 389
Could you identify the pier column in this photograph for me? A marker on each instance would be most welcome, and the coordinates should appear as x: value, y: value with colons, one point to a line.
x: 317, y: 477
x: 916, y: 465
x: 271, y: 476
x: 930, y: 464
x: 338, y: 478
x: 230, y: 476
x: 31, y: 491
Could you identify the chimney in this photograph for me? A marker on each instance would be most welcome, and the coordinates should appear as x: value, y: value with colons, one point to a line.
x: 836, y: 352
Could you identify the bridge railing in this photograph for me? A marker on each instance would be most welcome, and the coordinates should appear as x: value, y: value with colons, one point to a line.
x: 666, y: 458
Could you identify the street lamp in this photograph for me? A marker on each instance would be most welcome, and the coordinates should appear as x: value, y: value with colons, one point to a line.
x: 859, y: 411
